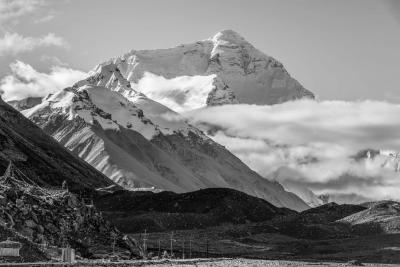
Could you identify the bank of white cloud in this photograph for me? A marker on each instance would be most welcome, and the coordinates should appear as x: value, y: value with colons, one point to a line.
x: 25, y: 81
x: 317, y: 141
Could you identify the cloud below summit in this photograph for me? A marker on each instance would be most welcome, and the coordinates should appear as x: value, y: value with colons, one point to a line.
x: 317, y: 141
x: 25, y: 81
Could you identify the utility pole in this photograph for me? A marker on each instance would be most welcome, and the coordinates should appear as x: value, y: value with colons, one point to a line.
x: 171, y: 240
x: 113, y: 246
x: 183, y: 249
x: 207, y: 248
x: 145, y: 244
x: 190, y: 246
x: 159, y: 248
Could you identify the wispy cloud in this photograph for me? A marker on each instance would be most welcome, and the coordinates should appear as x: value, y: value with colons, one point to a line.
x: 53, y: 61
x: 46, y: 18
x: 25, y: 81
x: 14, y: 43
x: 12, y: 9
x: 312, y: 142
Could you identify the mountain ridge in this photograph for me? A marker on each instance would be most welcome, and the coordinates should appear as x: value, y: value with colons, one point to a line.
x: 127, y: 136
x: 41, y: 157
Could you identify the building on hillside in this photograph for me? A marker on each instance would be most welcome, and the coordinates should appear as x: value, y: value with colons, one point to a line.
x: 10, y: 248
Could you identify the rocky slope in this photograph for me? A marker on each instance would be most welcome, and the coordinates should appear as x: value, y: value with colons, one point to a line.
x: 33, y: 205
x: 53, y: 217
x: 317, y: 223
x: 40, y: 157
x: 380, y: 217
x: 136, y: 211
x: 223, y: 69
x: 129, y: 137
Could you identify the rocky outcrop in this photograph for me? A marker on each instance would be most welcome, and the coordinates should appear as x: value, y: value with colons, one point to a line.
x: 221, y: 94
x: 382, y: 217
x: 53, y: 217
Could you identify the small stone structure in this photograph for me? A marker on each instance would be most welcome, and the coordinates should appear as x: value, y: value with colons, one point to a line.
x: 9, y: 248
x: 68, y: 255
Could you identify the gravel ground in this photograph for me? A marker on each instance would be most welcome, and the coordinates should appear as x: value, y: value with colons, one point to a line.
x: 256, y: 263
x: 202, y: 263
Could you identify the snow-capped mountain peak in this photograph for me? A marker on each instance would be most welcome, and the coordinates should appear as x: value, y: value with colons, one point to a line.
x: 226, y: 38
x: 194, y: 75
x: 228, y: 35
x: 118, y: 119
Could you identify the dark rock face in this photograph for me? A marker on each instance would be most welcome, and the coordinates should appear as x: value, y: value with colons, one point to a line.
x: 40, y: 157
x: 318, y: 223
x: 221, y: 94
x: 136, y: 211
x: 25, y: 103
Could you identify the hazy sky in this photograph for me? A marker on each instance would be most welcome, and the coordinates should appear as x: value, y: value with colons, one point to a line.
x: 342, y: 49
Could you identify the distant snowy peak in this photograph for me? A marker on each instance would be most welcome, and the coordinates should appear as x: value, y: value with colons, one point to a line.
x: 387, y: 159
x: 224, y: 69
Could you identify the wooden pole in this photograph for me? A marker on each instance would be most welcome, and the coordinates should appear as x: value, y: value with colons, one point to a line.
x: 113, y: 246
x: 159, y: 248
x: 183, y: 249
x: 172, y: 251
x: 145, y: 244
x: 190, y: 247
x: 207, y: 248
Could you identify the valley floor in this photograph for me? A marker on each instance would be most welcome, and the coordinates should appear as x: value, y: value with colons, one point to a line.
x: 371, y: 249
x: 239, y: 262
x: 266, y: 263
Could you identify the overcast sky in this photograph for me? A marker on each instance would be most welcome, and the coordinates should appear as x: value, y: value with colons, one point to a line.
x: 342, y: 49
